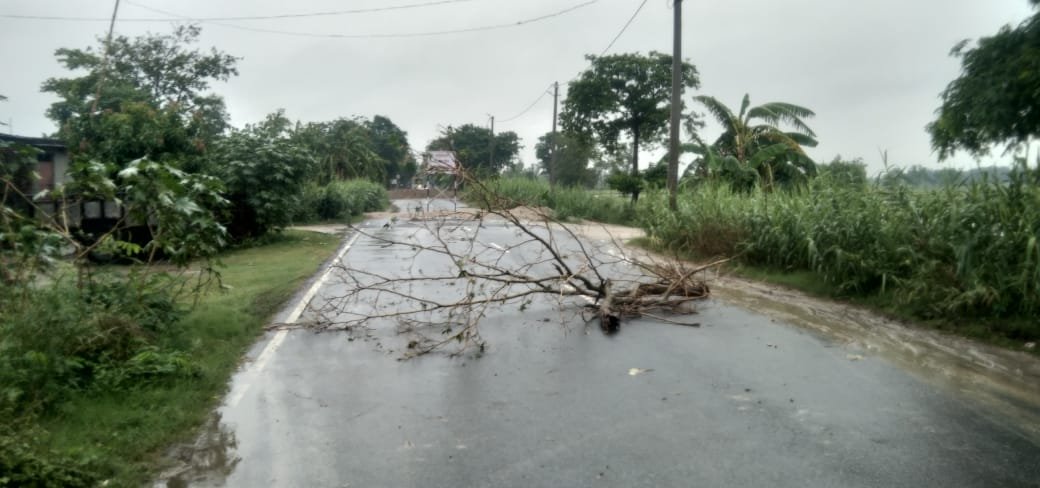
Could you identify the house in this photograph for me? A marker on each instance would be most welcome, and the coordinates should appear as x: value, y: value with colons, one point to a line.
x: 52, y: 167
x: 52, y: 161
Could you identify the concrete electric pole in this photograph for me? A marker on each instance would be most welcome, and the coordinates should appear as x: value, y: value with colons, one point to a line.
x: 104, y: 59
x: 553, y: 145
x: 491, y: 148
x: 673, y: 147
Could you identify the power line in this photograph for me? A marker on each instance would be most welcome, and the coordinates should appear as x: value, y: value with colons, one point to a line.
x: 528, y: 109
x: 381, y: 36
x: 239, y: 18
x: 623, y: 29
x: 612, y: 42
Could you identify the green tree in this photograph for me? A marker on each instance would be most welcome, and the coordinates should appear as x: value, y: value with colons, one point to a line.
x: 624, y: 94
x: 572, y: 159
x: 851, y: 173
x: 712, y: 165
x: 344, y: 149
x: 473, y: 145
x: 263, y: 171
x: 157, y: 87
x: 391, y: 144
x: 754, y: 138
x: 518, y: 170
x: 996, y: 98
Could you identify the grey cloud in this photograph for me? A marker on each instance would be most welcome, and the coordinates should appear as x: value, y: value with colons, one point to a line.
x: 871, y: 70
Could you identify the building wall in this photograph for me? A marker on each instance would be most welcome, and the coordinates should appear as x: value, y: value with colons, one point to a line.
x: 61, y: 167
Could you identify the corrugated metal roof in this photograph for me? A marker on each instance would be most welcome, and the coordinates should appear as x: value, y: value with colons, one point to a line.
x: 40, y: 142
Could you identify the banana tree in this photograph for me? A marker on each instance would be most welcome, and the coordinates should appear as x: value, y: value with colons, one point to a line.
x: 753, y: 137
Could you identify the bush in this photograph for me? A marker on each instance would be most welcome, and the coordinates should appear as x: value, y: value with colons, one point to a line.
x: 340, y: 200
x: 22, y: 465
x: 58, y: 338
x: 264, y: 175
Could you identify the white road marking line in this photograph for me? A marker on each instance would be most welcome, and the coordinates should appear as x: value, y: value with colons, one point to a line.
x: 279, y: 337
x: 306, y: 300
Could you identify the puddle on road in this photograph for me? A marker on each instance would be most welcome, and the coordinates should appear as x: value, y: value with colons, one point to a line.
x: 1001, y: 383
x: 206, y: 462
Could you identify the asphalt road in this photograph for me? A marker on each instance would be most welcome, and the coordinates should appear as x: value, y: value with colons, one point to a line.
x: 741, y: 401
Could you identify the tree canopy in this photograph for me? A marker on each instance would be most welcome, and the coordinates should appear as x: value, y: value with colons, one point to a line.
x: 390, y: 143
x: 624, y: 94
x: 753, y: 140
x: 573, y: 154
x: 151, y: 97
x: 473, y: 146
x: 996, y: 98
x: 343, y: 148
x: 263, y: 172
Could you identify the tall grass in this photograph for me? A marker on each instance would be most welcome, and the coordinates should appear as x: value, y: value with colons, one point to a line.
x: 966, y: 250
x: 567, y: 203
x: 340, y: 200
x: 969, y: 249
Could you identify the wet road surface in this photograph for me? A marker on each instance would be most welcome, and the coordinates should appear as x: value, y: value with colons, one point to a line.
x: 740, y: 401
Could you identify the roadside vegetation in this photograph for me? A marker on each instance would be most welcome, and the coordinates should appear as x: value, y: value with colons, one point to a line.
x: 957, y: 250
x: 100, y: 381
x: 340, y: 200
x: 119, y: 332
x: 965, y: 256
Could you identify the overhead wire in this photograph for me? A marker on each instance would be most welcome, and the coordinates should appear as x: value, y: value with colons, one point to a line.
x: 528, y: 109
x: 379, y: 36
x: 240, y: 18
x: 605, y: 50
x: 625, y: 28
x: 221, y: 21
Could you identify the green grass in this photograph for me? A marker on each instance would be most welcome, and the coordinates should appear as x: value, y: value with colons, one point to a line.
x: 125, y: 433
x: 567, y: 203
x: 963, y: 257
x: 987, y: 330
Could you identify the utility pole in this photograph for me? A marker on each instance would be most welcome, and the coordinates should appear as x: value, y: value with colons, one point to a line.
x: 673, y: 150
x: 491, y: 156
x: 104, y: 59
x: 553, y: 145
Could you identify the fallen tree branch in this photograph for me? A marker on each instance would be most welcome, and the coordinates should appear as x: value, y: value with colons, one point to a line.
x: 449, y: 270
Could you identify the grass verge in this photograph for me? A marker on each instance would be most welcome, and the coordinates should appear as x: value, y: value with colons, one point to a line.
x: 124, y: 434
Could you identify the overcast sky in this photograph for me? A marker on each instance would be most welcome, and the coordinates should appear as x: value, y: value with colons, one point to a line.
x: 872, y: 71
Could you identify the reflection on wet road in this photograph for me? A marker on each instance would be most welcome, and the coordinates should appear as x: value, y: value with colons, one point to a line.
x: 741, y: 401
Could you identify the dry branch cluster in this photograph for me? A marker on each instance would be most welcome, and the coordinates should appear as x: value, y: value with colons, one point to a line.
x: 442, y: 272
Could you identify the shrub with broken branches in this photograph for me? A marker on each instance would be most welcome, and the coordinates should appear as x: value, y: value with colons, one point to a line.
x: 460, y: 264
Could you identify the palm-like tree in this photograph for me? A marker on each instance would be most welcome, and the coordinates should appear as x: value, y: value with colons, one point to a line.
x: 344, y: 149
x: 753, y: 138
